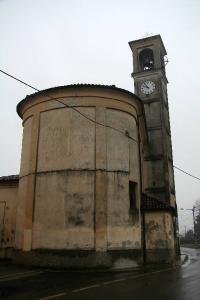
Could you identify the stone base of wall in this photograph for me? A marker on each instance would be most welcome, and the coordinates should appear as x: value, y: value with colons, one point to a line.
x: 6, y: 253
x: 78, y: 259
x: 160, y: 256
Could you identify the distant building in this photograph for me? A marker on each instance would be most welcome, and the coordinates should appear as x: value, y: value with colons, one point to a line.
x: 96, y: 182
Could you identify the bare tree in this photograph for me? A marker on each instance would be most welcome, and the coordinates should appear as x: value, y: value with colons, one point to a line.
x: 197, y: 220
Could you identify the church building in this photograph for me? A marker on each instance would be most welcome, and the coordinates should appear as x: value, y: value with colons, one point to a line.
x: 96, y: 183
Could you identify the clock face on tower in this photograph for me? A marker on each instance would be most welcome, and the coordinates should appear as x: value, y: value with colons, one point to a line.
x: 147, y: 87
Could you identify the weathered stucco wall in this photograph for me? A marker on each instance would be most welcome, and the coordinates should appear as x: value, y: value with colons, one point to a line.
x: 64, y: 211
x: 75, y: 173
x: 124, y: 230
x: 8, y: 204
x: 159, y: 236
x: 23, y: 193
x: 66, y: 140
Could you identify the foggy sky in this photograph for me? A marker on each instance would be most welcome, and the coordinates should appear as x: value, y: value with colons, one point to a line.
x: 50, y: 43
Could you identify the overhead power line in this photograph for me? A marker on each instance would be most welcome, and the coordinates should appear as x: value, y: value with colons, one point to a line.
x: 69, y: 106
x: 186, y: 173
x: 23, y: 82
x: 85, y: 116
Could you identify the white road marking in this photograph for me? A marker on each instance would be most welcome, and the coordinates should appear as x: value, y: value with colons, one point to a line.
x: 120, y: 280
x: 16, y: 274
x: 107, y: 283
x: 53, y: 296
x: 20, y: 275
x: 86, y: 288
x: 113, y: 281
x: 150, y: 273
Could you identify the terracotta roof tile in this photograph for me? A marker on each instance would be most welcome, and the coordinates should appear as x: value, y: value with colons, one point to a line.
x: 152, y: 204
x: 9, y: 178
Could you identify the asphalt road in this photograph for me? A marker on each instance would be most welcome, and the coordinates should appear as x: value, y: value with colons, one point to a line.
x: 180, y: 283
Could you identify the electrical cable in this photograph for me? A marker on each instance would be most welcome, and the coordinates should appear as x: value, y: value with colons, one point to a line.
x: 181, y: 170
x: 69, y: 106
x: 17, y: 79
x: 83, y: 115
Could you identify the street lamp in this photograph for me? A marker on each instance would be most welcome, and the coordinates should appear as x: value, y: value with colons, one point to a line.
x: 193, y: 210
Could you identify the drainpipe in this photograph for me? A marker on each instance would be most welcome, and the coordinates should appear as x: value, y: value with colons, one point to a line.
x: 141, y: 184
x: 4, y: 214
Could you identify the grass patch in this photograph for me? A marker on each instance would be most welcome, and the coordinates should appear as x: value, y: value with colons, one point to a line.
x: 194, y: 246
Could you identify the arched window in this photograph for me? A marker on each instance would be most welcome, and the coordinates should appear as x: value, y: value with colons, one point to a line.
x: 146, y: 59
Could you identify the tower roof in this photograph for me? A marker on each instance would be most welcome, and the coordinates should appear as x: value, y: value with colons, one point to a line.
x: 144, y: 42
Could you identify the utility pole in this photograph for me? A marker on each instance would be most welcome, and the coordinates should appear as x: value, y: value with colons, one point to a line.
x: 194, y: 224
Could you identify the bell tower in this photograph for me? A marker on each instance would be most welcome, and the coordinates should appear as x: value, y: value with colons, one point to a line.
x: 150, y: 83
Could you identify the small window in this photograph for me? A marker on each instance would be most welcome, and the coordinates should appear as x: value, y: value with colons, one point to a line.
x: 132, y: 195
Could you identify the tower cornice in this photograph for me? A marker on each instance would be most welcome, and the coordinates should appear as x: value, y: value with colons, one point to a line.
x: 145, y: 42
